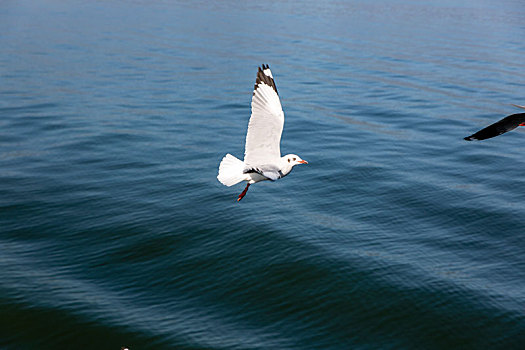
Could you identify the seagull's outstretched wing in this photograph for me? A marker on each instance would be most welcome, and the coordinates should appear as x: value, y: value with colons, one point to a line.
x: 266, y: 123
x: 504, y: 125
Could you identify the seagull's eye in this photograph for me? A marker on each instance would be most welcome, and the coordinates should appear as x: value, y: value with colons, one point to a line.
x: 294, y: 159
x: 288, y: 160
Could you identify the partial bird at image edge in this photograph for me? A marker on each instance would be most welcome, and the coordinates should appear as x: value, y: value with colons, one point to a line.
x: 506, y: 124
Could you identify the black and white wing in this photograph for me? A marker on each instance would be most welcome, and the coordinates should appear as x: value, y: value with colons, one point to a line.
x: 266, y: 122
x: 504, y: 125
x: 270, y: 171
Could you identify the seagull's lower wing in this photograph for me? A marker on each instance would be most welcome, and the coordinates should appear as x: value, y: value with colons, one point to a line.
x: 271, y: 172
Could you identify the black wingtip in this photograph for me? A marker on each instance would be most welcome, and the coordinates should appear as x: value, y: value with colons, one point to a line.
x: 264, y: 78
x: 467, y: 138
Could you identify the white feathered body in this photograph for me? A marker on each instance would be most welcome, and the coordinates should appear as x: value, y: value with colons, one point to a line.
x: 233, y: 170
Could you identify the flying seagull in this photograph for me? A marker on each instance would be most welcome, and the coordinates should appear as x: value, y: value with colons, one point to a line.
x: 508, y: 123
x: 262, y: 155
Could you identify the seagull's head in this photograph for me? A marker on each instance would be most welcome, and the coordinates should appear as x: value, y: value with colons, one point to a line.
x: 293, y: 159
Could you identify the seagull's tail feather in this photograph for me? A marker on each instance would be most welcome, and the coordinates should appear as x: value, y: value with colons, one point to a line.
x: 231, y: 171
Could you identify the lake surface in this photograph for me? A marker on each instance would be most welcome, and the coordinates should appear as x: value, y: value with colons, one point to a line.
x: 114, y: 230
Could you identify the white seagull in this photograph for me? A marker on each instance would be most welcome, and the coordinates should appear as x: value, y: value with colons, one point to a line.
x: 262, y: 155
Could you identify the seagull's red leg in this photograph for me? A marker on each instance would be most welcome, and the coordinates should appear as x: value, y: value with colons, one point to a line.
x: 243, y: 192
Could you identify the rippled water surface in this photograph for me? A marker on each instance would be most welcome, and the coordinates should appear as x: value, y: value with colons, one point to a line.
x: 398, y: 234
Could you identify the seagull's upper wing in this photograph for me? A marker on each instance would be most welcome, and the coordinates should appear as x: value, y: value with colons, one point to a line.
x: 504, y: 125
x: 266, y: 123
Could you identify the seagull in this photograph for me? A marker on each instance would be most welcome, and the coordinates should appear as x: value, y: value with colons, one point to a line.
x: 506, y: 124
x: 262, y: 155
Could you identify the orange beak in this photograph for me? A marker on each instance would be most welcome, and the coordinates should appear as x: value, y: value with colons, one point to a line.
x: 303, y: 162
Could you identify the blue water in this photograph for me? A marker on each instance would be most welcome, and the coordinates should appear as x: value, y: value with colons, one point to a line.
x: 399, y: 234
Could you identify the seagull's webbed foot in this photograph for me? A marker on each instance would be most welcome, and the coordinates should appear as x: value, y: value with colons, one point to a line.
x: 243, y: 192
